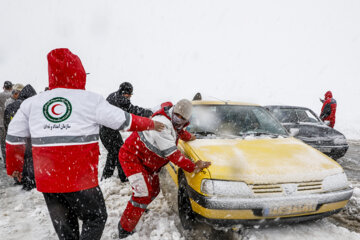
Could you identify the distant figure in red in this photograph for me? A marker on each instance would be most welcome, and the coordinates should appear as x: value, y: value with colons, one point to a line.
x: 328, y: 109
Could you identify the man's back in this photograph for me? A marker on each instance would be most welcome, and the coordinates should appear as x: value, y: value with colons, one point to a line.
x: 64, y: 126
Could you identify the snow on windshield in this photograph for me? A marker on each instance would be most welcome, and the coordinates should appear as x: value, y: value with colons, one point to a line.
x: 233, y: 120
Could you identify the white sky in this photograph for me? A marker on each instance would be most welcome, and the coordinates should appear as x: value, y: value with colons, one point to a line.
x: 267, y: 52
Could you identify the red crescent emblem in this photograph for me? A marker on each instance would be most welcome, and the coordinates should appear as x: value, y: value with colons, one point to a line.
x: 53, y: 109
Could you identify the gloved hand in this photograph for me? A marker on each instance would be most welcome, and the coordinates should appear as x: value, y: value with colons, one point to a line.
x: 17, y: 175
x: 158, y: 126
x: 200, y: 165
x: 193, y: 137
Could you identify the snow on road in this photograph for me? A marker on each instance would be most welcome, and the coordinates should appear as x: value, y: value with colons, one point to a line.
x: 23, y: 215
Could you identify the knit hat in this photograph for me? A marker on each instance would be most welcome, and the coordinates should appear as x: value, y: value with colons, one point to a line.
x: 8, y: 85
x: 126, y: 88
x: 184, y: 108
x: 18, y: 87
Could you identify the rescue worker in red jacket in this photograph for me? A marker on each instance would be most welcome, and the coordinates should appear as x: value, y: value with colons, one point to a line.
x: 144, y: 154
x: 328, y: 109
x: 63, y: 124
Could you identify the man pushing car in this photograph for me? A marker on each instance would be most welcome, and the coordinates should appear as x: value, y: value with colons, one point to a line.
x: 63, y: 124
x: 144, y: 154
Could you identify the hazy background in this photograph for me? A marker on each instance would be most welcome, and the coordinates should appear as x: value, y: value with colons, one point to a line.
x: 266, y: 52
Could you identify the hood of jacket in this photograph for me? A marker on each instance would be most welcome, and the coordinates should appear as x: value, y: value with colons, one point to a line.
x: 65, y: 70
x: 26, y: 92
x: 328, y: 95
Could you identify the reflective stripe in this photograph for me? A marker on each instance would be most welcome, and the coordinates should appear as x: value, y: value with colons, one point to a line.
x: 169, y: 151
x: 16, y: 140
x: 64, y: 139
x: 126, y: 124
x: 156, y: 150
x: 139, y: 205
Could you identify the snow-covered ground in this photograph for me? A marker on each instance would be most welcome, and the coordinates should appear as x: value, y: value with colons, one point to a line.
x: 23, y: 215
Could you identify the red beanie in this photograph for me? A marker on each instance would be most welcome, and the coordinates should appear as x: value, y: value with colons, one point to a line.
x: 65, y: 70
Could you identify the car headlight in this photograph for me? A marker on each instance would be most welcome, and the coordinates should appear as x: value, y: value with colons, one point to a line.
x: 340, y: 141
x: 225, y: 188
x: 335, y: 182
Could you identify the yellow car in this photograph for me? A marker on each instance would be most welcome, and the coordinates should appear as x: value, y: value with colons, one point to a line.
x: 259, y: 173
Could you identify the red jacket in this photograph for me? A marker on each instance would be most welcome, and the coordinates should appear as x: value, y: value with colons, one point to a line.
x: 63, y: 125
x: 154, y: 150
x: 328, y: 109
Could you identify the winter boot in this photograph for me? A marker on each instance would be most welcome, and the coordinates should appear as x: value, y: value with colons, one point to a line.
x: 123, y: 233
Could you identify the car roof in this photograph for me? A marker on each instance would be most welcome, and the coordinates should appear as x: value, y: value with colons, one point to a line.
x: 286, y: 107
x: 223, y: 103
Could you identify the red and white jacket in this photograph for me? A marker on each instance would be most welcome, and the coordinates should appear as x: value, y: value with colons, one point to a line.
x: 156, y: 149
x: 63, y: 125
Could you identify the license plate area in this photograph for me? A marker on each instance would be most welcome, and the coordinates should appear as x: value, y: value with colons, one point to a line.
x: 283, y: 210
x: 324, y: 150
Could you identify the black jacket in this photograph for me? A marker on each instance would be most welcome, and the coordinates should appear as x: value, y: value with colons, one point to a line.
x: 109, y: 137
x: 28, y: 171
x: 12, y: 108
x: 124, y: 103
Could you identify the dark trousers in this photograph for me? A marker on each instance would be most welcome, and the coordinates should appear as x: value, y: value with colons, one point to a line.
x: 3, y: 145
x: 28, y: 179
x: 66, y: 208
x: 112, y: 141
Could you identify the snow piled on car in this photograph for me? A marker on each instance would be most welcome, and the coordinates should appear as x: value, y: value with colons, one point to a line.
x: 24, y: 215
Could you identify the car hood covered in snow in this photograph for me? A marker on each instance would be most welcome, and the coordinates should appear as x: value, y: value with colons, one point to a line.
x: 262, y: 161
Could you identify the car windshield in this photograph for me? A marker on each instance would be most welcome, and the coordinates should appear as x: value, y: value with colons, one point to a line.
x: 294, y: 115
x: 234, y: 121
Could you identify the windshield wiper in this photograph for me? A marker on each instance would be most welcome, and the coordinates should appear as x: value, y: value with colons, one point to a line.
x: 204, y: 133
x: 255, y: 133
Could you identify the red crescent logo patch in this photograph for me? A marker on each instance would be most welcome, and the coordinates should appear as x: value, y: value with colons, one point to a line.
x: 53, y: 109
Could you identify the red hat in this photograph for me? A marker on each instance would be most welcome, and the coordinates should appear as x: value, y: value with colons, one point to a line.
x: 65, y: 70
x: 328, y: 94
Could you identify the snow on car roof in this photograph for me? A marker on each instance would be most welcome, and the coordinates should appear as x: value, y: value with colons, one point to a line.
x: 223, y: 103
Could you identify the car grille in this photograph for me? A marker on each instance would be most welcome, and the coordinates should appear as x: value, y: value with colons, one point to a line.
x: 266, y: 188
x: 309, y: 186
x: 304, y: 187
x: 321, y: 143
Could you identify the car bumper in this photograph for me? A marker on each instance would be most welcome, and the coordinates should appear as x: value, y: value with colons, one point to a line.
x: 234, y: 223
x: 332, y: 151
x: 247, y: 210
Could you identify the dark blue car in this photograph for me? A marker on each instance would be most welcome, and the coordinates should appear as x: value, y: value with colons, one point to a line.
x: 307, y: 126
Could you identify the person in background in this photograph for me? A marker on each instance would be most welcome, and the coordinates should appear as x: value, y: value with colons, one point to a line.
x: 197, y: 97
x: 6, y: 94
x: 111, y: 139
x: 328, y: 109
x: 144, y: 154
x: 28, y: 177
x: 14, y: 93
x: 63, y: 125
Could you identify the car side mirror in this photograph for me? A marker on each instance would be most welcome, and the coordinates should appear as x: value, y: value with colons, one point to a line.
x: 294, y: 131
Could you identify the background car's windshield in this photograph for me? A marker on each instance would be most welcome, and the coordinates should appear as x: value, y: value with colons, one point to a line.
x: 293, y: 115
x: 235, y: 120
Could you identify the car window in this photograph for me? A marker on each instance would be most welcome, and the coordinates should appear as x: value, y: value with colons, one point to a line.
x: 286, y: 115
x: 234, y: 120
x: 306, y: 116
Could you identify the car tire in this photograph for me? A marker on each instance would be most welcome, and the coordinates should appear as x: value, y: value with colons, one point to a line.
x: 186, y: 214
